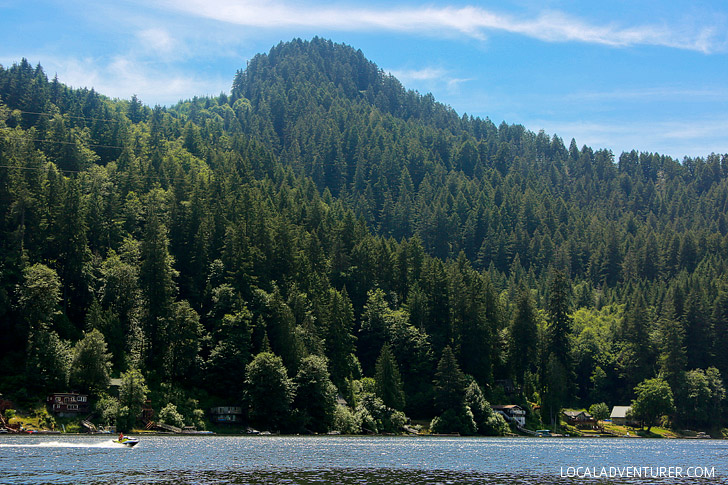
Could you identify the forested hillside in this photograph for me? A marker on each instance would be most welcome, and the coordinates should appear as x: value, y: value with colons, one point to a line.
x: 322, y: 230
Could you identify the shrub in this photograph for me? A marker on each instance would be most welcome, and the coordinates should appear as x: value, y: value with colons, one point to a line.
x: 345, y: 420
x: 170, y: 415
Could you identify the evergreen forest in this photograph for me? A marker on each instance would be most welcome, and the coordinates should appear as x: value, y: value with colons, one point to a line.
x: 331, y: 251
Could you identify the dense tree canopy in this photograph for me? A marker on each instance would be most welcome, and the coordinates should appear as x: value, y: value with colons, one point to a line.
x: 322, y: 210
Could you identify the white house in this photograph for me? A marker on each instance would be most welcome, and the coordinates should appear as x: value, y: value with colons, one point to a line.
x: 512, y: 412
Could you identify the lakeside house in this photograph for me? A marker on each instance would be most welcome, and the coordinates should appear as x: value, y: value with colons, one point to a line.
x: 580, y: 419
x: 227, y: 414
x: 68, y: 404
x: 512, y: 412
x: 619, y: 415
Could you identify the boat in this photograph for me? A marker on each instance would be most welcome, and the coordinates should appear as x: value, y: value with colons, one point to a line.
x: 126, y: 441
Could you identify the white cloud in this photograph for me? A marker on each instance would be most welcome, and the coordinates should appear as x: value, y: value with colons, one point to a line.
x: 121, y: 77
x: 473, y: 22
x: 425, y: 74
x: 157, y: 39
x: 428, y: 79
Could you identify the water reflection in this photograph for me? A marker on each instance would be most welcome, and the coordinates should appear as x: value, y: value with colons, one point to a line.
x: 217, y: 460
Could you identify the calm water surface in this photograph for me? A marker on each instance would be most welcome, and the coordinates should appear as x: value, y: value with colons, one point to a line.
x: 333, y: 459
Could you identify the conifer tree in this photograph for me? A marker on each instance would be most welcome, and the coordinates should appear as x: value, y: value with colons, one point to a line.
x: 389, y: 381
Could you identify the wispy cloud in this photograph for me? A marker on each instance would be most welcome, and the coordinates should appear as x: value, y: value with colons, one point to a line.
x: 430, y: 77
x: 120, y: 77
x: 157, y: 39
x: 677, y: 138
x: 652, y: 94
x: 474, y: 22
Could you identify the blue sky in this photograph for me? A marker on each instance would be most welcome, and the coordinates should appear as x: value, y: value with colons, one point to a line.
x: 645, y: 75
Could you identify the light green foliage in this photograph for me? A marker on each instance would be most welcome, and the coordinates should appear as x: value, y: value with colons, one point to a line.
x: 170, y: 415
x: 599, y: 411
x: 345, y: 420
x: 107, y: 407
x: 372, y: 414
x: 653, y: 399
x: 198, y: 419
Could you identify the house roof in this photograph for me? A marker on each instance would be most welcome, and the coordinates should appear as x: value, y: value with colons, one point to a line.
x: 620, y: 411
x: 575, y: 414
x: 506, y: 406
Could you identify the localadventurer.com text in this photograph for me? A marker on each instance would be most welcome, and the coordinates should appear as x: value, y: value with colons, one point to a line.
x: 638, y: 472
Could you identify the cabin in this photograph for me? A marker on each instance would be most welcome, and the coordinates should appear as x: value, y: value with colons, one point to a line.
x: 226, y: 414
x: 68, y: 404
x: 512, y: 412
x: 580, y: 419
x: 619, y: 415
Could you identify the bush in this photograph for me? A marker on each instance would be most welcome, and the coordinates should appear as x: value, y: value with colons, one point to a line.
x: 495, y: 425
x: 378, y: 418
x: 198, y: 419
x: 108, y: 408
x: 452, y: 421
x: 345, y: 420
x: 366, y: 421
x: 170, y: 415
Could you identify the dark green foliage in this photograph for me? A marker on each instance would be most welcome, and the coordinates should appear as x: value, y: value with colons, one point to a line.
x: 132, y: 397
x: 323, y: 210
x: 523, y: 337
x: 269, y: 392
x: 389, y: 382
x: 700, y: 400
x: 91, y: 364
x: 487, y: 421
x: 315, y: 394
x: 449, y: 384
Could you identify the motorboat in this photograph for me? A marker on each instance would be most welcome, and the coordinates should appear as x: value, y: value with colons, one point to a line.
x: 126, y: 441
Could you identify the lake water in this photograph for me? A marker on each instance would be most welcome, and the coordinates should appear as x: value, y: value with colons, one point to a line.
x: 360, y: 460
